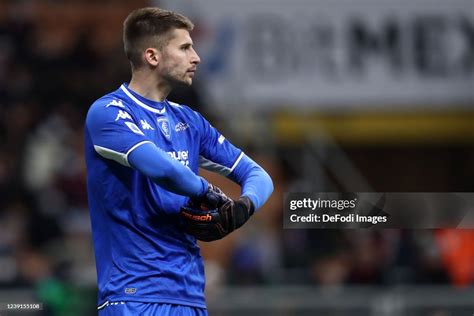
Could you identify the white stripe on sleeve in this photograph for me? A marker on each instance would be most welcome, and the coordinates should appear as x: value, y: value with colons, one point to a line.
x: 117, y: 156
x: 218, y: 168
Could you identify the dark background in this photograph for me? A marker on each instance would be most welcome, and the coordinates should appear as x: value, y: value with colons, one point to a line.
x: 57, y: 57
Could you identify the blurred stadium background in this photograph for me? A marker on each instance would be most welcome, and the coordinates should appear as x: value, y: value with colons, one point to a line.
x: 337, y: 95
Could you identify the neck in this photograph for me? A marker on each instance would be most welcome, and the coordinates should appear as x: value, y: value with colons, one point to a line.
x: 146, y: 84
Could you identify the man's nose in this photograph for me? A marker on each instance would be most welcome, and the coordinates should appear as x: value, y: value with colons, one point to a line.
x: 195, y: 59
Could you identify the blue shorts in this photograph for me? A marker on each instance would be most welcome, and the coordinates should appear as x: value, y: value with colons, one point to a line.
x: 149, y: 309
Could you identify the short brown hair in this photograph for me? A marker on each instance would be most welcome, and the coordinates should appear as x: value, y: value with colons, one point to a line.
x: 150, y: 27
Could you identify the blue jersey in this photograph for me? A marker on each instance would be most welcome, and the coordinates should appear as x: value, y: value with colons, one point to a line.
x: 142, y: 253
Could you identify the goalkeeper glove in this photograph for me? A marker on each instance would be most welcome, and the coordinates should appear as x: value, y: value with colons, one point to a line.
x: 216, y: 223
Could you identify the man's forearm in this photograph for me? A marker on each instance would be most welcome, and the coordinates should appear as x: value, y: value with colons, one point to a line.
x: 166, y: 172
x: 255, y: 182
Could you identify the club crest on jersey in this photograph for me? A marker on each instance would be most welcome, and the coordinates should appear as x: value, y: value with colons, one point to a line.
x: 164, y: 126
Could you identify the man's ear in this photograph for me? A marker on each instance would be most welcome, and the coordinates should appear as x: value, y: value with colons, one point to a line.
x: 152, y: 56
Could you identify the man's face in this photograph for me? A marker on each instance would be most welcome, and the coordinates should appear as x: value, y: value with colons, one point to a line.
x: 179, y: 59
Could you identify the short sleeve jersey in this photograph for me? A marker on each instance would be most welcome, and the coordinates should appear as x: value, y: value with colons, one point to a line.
x: 142, y: 253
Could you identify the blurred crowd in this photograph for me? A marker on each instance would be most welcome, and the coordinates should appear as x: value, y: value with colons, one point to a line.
x: 51, y: 70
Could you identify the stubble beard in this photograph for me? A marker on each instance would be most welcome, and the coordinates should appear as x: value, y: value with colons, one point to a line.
x: 176, y: 82
x: 175, y: 78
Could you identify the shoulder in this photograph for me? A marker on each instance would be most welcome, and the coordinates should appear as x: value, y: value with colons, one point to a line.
x: 112, y: 100
x: 186, y: 111
x: 108, y: 107
x: 180, y: 108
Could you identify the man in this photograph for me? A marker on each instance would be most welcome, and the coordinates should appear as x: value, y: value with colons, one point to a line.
x: 148, y: 205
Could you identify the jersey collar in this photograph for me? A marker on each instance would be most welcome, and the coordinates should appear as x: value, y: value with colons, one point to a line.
x: 153, y: 106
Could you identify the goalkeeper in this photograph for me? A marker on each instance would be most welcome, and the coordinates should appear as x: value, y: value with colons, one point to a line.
x: 148, y: 205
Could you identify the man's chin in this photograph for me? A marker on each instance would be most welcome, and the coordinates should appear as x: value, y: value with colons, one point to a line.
x: 182, y: 83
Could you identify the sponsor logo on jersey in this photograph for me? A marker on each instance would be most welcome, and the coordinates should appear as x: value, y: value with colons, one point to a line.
x: 146, y: 125
x: 134, y: 128
x: 164, y: 126
x: 123, y: 115
x: 180, y: 155
x: 117, y: 103
x: 181, y: 126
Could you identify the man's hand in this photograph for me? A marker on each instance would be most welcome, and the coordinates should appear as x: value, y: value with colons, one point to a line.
x: 209, y: 224
x: 212, y: 199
